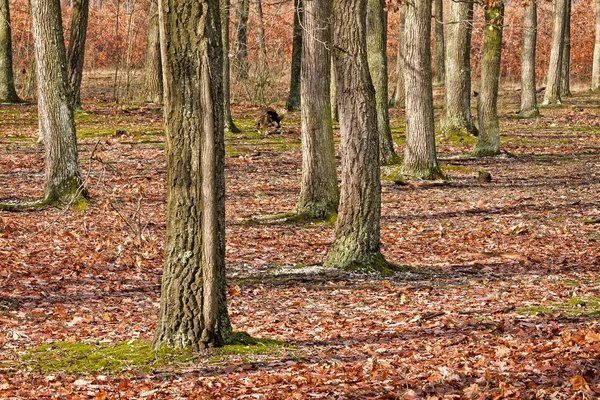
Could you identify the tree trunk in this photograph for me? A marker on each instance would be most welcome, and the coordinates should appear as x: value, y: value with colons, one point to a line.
x: 399, y: 93
x: 293, y: 100
x: 552, y: 94
x: 333, y: 95
x: 56, y: 122
x: 227, y: 119
x: 76, y: 50
x: 154, y: 81
x: 319, y: 193
x: 488, y: 141
x: 528, y: 93
x: 263, y: 66
x: 440, y: 70
x: 420, y: 156
x: 242, y: 11
x: 356, y: 244
x: 565, y: 80
x: 193, y: 309
x: 457, y: 120
x: 377, y: 56
x: 8, y: 94
x: 596, y: 63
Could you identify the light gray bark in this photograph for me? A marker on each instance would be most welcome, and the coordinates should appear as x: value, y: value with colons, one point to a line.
x: 242, y: 12
x: 8, y: 93
x: 153, y: 77
x: 528, y: 93
x: 552, y: 93
x: 596, y: 62
x: 228, y: 120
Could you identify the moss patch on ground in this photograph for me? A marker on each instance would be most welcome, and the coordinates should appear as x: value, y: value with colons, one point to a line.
x: 575, y: 307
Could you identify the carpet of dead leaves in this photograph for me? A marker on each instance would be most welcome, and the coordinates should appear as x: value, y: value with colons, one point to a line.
x: 450, y: 326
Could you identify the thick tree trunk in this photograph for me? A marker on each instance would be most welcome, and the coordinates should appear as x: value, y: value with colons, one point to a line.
x: 193, y: 309
x: 440, y: 70
x: 8, y: 94
x: 488, y: 141
x: 76, y: 50
x: 457, y: 120
x: 227, y: 119
x: 552, y: 94
x: 319, y: 193
x: 377, y: 56
x: 57, y: 125
x: 596, y: 63
x: 242, y: 12
x: 565, y: 70
x: 399, y: 92
x: 356, y: 244
x: 293, y: 100
x: 528, y: 93
x: 153, y: 79
x: 420, y: 156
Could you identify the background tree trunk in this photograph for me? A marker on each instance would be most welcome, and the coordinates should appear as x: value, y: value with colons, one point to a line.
x: 565, y: 70
x: 76, y: 50
x: 227, y: 119
x: 153, y: 78
x: 440, y: 70
x: 420, y: 156
x: 293, y: 100
x: 399, y: 93
x: 319, y: 193
x: 333, y: 95
x: 193, y: 309
x: 528, y: 93
x: 263, y: 66
x: 242, y: 12
x: 356, y: 244
x: 488, y: 141
x: 8, y: 94
x: 552, y: 94
x: 596, y: 63
x: 377, y: 56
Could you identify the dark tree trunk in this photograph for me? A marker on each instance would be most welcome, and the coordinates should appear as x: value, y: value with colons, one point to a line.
x: 227, y: 119
x: 76, y: 50
x: 565, y: 80
x: 440, y: 70
x: 8, y: 94
x: 528, y: 94
x: 293, y: 100
x: 154, y: 79
x: 399, y: 93
x: 552, y: 94
x: 193, y: 309
x: 242, y: 12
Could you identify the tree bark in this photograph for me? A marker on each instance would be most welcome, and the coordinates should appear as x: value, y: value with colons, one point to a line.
x: 8, y: 93
x: 565, y: 70
x: 596, y: 62
x: 293, y: 100
x: 193, y: 309
x: 420, y: 158
x: 528, y: 93
x: 242, y: 12
x: 57, y: 125
x: 263, y: 66
x: 356, y: 244
x: 228, y: 120
x: 377, y: 57
x: 552, y: 93
x: 488, y: 141
x: 399, y: 92
x: 319, y: 193
x: 333, y: 96
x: 154, y: 79
x: 76, y: 49
x: 440, y: 70
x: 457, y: 120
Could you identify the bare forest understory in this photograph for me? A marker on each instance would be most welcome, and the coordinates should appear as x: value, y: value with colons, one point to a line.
x: 497, y: 293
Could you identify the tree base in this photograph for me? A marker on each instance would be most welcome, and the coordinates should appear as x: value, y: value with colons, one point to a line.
x: 533, y: 113
x: 79, y: 203
x: 454, y: 127
x: 424, y: 174
x: 346, y: 255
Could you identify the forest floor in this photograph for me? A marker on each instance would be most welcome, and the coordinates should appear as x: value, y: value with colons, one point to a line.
x: 498, y: 294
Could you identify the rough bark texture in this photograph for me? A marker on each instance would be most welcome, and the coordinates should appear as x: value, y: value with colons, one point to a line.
x: 227, y: 119
x: 488, y: 141
x: 377, y: 56
x: 552, y: 93
x: 8, y: 94
x: 293, y: 100
x: 457, y: 118
x: 153, y: 78
x: 76, y: 50
x: 420, y: 156
x: 57, y: 126
x: 528, y: 93
x: 565, y: 70
x: 596, y: 63
x: 440, y: 70
x: 333, y: 95
x: 356, y: 244
x: 399, y: 93
x: 263, y: 66
x: 242, y: 11
x: 193, y: 309
x: 319, y: 193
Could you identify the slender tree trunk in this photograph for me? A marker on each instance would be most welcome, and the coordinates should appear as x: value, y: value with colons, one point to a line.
x: 420, y: 156
x: 440, y: 70
x: 333, y: 96
x: 377, y: 56
x: 193, y: 309
x: 242, y: 11
x: 488, y: 141
x: 153, y: 80
x: 399, y: 93
x: 596, y: 63
x: 356, y: 244
x: 8, y: 94
x: 293, y: 100
x: 565, y: 80
x: 228, y: 120
x: 552, y: 94
x: 528, y: 93
x: 76, y: 50
x: 263, y: 66
x: 117, y: 55
x: 57, y: 125
x: 129, y: 40
x: 457, y: 120
x: 319, y: 193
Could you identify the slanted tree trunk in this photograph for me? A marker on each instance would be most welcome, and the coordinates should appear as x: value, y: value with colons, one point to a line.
x: 488, y: 141
x: 596, y: 63
x: 76, y: 50
x: 420, y: 158
x: 56, y: 122
x: 319, y: 193
x: 242, y: 12
x: 440, y: 70
x: 356, y: 244
x: 457, y: 119
x: 227, y: 119
x: 377, y: 56
x: 398, y: 96
x: 552, y: 93
x: 293, y: 100
x: 528, y: 93
x: 153, y: 78
x: 8, y: 93
x: 565, y: 80
x: 193, y: 309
